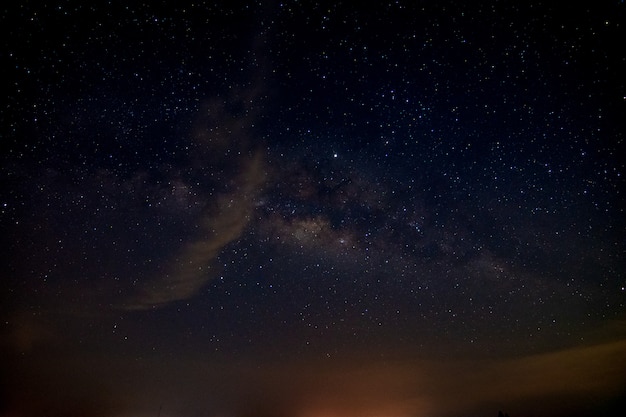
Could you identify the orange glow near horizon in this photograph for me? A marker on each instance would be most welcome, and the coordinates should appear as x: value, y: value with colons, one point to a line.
x: 534, y: 384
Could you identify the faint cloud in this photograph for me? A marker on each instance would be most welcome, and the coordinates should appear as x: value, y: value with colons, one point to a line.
x: 193, y: 266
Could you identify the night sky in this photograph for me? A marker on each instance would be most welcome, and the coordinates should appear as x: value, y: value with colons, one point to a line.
x: 305, y: 209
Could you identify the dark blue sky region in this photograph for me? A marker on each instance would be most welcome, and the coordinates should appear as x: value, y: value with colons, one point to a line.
x: 305, y: 208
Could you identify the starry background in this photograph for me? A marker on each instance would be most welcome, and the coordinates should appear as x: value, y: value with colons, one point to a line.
x: 304, y: 208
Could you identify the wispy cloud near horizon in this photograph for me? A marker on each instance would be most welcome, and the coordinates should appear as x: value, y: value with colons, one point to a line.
x: 193, y: 265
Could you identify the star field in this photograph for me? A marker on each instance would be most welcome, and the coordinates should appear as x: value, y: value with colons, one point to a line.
x: 305, y: 208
